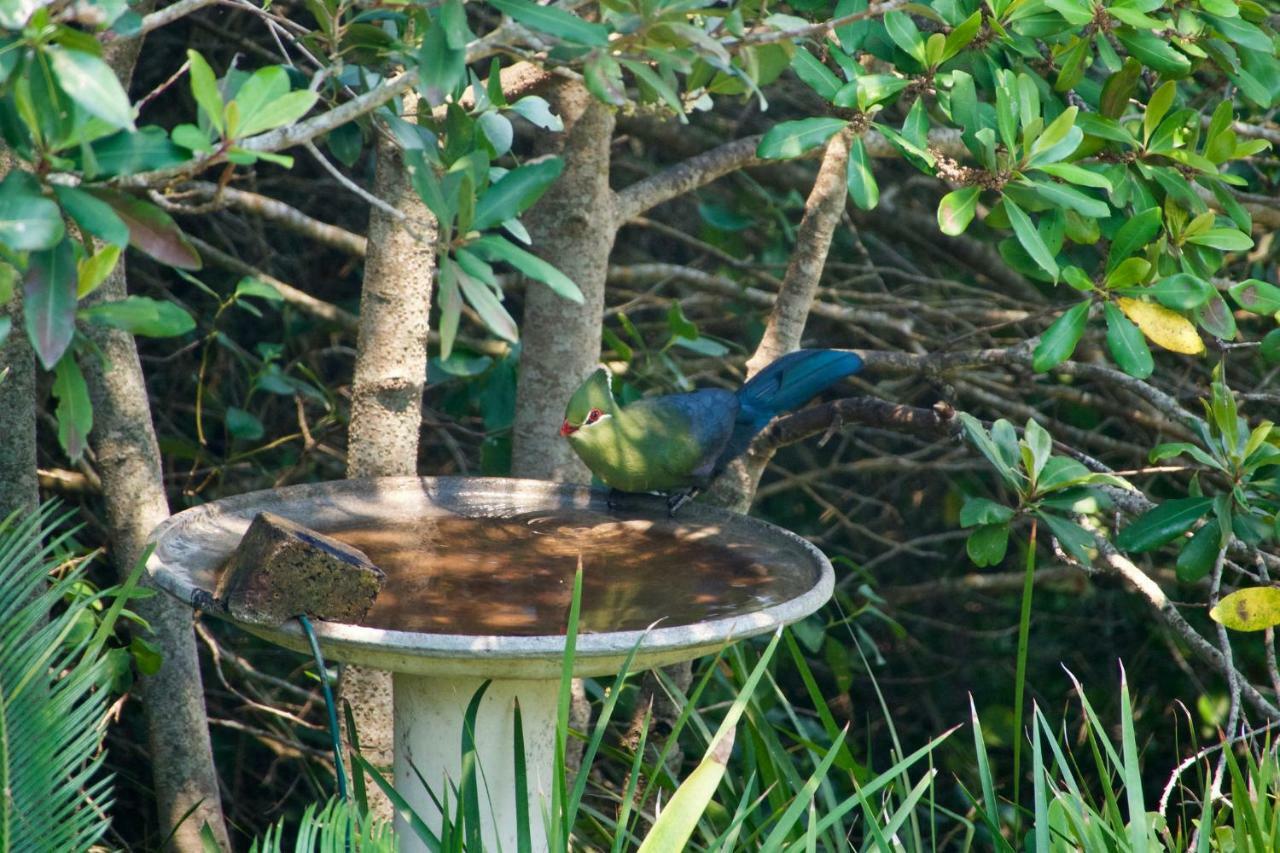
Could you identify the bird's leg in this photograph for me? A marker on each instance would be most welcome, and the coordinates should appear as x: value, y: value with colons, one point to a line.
x: 613, y: 499
x: 678, y: 499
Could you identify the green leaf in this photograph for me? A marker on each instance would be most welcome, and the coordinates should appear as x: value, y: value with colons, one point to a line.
x: 537, y: 112
x: 93, y: 215
x: 1252, y: 609
x: 1140, y: 230
x: 1271, y: 347
x: 1073, y: 538
x: 92, y: 84
x: 984, y: 511
x: 1215, y: 317
x: 515, y: 192
x: 204, y: 87
x: 49, y: 301
x: 1119, y: 88
x: 151, y: 230
x: 1031, y: 240
x: 1257, y: 296
x: 960, y: 35
x: 1163, y: 524
x: 453, y: 18
x: 1128, y: 273
x: 1070, y: 198
x: 441, y: 67
x: 793, y: 138
x: 139, y: 315
x: 243, y: 425
x: 603, y: 78
x: 817, y: 76
x: 1040, y: 444
x: 128, y: 153
x: 1154, y: 52
x: 981, y: 440
x: 956, y: 210
x: 252, y: 286
x: 74, y: 412
x: 1157, y: 107
x: 1056, y: 132
x: 904, y: 33
x: 28, y: 220
x: 494, y: 248
x: 1182, y: 291
x: 93, y: 270
x: 556, y: 22
x: 987, y: 544
x: 450, y: 306
x: 1225, y: 239
x: 1200, y: 553
x: 861, y: 181
x: 1059, y: 341
x: 1073, y: 174
x: 278, y: 112
x: 1127, y: 344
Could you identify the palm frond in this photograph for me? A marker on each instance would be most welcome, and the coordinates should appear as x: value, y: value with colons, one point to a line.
x: 337, y: 827
x: 53, y: 700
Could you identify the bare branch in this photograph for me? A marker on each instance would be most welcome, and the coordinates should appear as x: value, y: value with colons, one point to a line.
x: 1141, y: 583
x: 685, y: 177
x: 285, y: 215
x: 304, y: 302
x: 169, y: 14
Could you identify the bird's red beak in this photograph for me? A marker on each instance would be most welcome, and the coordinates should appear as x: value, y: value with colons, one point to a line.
x: 567, y: 428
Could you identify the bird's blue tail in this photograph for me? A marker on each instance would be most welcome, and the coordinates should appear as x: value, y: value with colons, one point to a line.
x: 787, y: 384
x: 796, y: 378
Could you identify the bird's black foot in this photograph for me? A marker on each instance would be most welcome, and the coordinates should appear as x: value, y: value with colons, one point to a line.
x: 613, y: 500
x: 679, y: 499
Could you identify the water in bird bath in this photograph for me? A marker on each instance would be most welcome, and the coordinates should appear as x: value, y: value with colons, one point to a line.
x: 513, y: 575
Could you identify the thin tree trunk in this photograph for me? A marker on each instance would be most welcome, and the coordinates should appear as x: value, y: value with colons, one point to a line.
x: 573, y: 227
x: 386, y: 409
x: 736, y: 488
x: 128, y: 455
x: 19, y: 488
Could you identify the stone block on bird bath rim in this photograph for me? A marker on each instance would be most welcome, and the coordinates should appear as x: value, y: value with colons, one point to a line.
x: 479, y: 578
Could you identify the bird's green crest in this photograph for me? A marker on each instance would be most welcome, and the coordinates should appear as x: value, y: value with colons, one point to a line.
x: 594, y: 393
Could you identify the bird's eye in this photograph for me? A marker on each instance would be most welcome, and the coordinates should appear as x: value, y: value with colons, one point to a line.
x: 594, y: 416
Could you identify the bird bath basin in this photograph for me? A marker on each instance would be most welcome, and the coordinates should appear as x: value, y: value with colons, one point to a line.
x: 479, y: 581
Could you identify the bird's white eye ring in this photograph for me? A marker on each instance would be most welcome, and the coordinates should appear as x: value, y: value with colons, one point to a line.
x: 594, y: 415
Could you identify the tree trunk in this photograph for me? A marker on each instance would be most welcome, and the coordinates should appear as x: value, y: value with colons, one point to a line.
x: 736, y: 488
x: 573, y: 228
x: 386, y: 408
x: 124, y: 441
x: 19, y: 489
x: 128, y: 455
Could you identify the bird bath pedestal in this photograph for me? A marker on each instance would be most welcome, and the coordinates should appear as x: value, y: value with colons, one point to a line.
x: 479, y: 581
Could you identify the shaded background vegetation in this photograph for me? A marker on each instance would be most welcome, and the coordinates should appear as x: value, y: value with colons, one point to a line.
x: 259, y: 396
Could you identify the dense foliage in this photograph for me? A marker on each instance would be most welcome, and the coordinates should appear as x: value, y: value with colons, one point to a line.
x: 1060, y: 241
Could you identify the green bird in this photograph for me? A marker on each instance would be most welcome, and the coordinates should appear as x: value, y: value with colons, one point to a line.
x: 679, y: 443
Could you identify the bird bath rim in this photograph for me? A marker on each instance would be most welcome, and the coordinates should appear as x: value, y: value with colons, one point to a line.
x: 196, y: 540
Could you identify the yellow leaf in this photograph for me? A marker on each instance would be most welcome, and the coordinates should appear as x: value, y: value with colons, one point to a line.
x: 1250, y: 609
x: 1167, y: 328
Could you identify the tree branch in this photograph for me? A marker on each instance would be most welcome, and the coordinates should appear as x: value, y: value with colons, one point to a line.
x: 936, y: 422
x: 1142, y: 583
x: 283, y: 214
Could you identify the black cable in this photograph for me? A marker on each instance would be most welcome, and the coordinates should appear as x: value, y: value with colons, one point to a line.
x: 334, y: 732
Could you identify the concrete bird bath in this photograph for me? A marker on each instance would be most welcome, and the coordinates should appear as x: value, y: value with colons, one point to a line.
x: 479, y: 581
